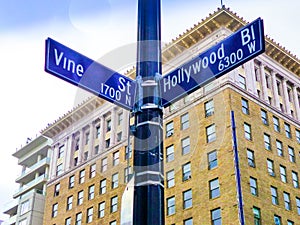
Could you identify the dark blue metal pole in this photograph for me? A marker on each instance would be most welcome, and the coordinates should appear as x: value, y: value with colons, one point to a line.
x: 237, y: 171
x: 148, y: 142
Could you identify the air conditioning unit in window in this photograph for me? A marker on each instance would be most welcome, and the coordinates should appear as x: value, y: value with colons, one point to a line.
x: 251, y: 164
x: 170, y: 133
x: 210, y: 113
x: 187, y: 177
x: 272, y: 174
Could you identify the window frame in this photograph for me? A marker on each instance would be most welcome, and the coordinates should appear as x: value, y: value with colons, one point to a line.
x: 209, y: 108
x: 185, y: 145
x: 211, y: 134
x: 186, y: 171
x: 212, y: 159
x: 274, y: 195
x: 214, y: 188
x: 184, y: 121
x: 187, y: 199
x: 245, y: 106
x: 171, y: 206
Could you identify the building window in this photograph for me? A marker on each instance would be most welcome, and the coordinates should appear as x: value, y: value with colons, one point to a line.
x: 277, y: 220
x: 185, y: 144
x: 61, y: 151
x: 93, y: 170
x: 256, y: 215
x: 71, y: 181
x: 81, y: 176
x: 128, y: 152
x: 101, y: 209
x: 127, y: 174
x: 104, y: 165
x: 276, y: 124
x: 245, y: 106
x: 59, y: 169
x: 116, y: 158
x: 54, y: 209
x: 119, y: 136
x: 298, y: 136
x: 170, y: 153
x: 264, y: 117
x: 113, y: 223
x: 267, y: 141
x: 102, y: 187
x: 98, y: 132
x: 75, y: 161
x: 184, y: 121
x: 291, y: 154
x: 212, y: 159
x: 24, y: 207
x: 107, y: 143
x: 91, y: 192
x: 209, y: 108
x: 171, y: 205
x: 287, y: 128
x: 56, y: 189
x: 169, y: 129
x: 214, y: 188
x: 115, y: 181
x: 250, y: 157
x: 78, y: 219
x: 289, y: 222
x: 89, y: 215
x: 186, y: 171
x: 80, y: 198
x: 188, y: 221
x: 295, y: 179
x: 270, y: 166
x: 114, y: 204
x: 87, y: 137
x: 253, y: 186
x: 108, y: 125
x: 96, y: 150
x: 274, y: 195
x: 298, y: 205
x: 242, y: 81
x: 68, y: 221
x: 85, y: 155
x: 283, y: 174
x: 187, y: 199
x: 216, y: 218
x: 211, y: 133
x: 247, y: 131
x: 287, y: 201
x: 120, y: 118
x: 170, y: 179
x: 70, y: 202
x: 279, y: 148
x: 77, y: 141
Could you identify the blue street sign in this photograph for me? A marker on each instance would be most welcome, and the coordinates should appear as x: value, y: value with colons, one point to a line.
x: 90, y: 75
x: 231, y: 52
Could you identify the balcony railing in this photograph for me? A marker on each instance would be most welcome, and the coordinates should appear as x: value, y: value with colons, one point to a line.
x: 32, y: 184
x: 45, y: 161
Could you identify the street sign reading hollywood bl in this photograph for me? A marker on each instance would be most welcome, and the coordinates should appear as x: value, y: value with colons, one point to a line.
x: 90, y: 75
x: 238, y: 48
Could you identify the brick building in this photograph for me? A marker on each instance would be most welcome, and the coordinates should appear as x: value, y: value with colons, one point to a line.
x: 91, y: 161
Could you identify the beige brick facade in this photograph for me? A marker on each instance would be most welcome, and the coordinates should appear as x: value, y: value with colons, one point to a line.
x: 212, y: 184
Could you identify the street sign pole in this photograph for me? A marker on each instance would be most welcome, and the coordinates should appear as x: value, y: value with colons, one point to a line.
x: 148, y: 129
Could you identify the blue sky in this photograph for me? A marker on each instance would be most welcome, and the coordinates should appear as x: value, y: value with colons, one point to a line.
x: 32, y: 98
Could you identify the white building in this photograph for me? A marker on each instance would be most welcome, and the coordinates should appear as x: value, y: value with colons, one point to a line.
x: 29, y: 200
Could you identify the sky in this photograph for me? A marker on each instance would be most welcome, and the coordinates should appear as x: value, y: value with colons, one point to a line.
x: 32, y: 98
